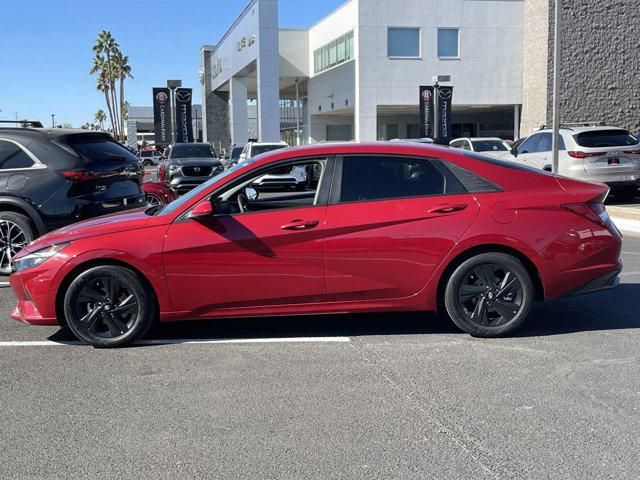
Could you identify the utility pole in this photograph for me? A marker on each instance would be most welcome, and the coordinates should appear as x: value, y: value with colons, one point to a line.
x: 556, y: 85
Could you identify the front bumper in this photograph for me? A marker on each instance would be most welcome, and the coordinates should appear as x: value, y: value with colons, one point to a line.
x: 26, y: 310
x: 183, y: 184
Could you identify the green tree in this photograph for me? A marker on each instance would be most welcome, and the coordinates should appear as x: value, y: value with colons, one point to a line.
x: 100, y: 117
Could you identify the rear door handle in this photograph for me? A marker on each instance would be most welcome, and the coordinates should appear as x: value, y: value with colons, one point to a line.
x: 449, y: 208
x: 300, y: 225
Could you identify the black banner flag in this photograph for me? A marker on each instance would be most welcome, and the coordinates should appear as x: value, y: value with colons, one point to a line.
x: 162, y: 116
x: 184, y: 117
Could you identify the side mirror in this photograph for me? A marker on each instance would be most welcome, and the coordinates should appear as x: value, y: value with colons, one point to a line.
x: 251, y: 193
x: 201, y: 210
x: 514, y: 152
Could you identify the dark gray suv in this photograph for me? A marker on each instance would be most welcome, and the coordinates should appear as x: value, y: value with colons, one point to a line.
x: 189, y: 165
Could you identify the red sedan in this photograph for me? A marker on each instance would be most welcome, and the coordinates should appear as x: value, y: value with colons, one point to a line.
x: 379, y: 227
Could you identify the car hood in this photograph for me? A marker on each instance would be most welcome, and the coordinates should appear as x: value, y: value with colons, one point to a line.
x: 114, y: 223
x: 194, y: 162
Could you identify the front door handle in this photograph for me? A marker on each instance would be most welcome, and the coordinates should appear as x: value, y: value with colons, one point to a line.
x: 301, y: 225
x: 449, y: 208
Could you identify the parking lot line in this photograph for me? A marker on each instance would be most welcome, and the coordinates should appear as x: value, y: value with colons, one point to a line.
x: 184, y: 341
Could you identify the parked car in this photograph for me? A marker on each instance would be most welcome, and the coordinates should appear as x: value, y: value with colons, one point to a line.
x: 592, y: 153
x: 252, y: 149
x: 50, y: 178
x: 390, y: 226
x: 149, y: 157
x: 490, y: 145
x: 234, y: 156
x: 414, y: 140
x: 158, y: 193
x: 188, y: 165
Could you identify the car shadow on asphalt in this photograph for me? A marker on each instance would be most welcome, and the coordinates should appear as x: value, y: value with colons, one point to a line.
x: 610, y: 310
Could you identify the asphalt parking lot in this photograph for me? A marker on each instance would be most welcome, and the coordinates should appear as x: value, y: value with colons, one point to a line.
x: 366, y: 396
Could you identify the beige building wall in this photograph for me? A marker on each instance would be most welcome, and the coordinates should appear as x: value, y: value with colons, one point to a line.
x: 535, y: 54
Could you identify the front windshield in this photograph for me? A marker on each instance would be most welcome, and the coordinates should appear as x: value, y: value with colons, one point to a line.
x: 187, y: 197
x: 192, y: 151
x: 489, y: 146
x: 260, y: 149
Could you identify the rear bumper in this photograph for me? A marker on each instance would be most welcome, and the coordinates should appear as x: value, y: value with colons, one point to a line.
x: 605, y: 282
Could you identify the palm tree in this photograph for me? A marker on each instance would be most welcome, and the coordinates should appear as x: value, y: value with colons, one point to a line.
x: 123, y: 71
x: 105, y: 47
x: 100, y: 117
x: 103, y: 84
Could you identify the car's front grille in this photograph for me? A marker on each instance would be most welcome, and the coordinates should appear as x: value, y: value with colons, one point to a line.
x: 197, y: 171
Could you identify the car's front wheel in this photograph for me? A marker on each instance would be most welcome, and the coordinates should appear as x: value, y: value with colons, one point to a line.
x: 490, y: 294
x: 108, y: 306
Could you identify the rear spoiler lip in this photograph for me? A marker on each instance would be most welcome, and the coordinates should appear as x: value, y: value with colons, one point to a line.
x: 584, y: 192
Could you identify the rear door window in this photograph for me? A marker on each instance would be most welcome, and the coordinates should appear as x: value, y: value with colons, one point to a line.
x: 12, y: 156
x: 606, y: 138
x: 379, y: 178
x: 100, y: 152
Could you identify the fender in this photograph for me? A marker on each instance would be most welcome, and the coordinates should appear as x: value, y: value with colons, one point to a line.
x: 28, y: 209
x: 152, y: 269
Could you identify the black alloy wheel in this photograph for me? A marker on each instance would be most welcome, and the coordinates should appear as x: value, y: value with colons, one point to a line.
x: 15, y: 234
x: 108, y: 306
x: 153, y: 200
x: 490, y: 294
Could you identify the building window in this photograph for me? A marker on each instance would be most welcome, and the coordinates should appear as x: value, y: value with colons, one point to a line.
x: 339, y: 133
x: 448, y: 43
x: 403, y: 42
x: 387, y: 131
x: 413, y: 130
x: 334, y: 53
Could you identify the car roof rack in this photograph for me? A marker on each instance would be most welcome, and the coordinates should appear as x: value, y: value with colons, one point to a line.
x: 24, y: 123
x: 570, y: 125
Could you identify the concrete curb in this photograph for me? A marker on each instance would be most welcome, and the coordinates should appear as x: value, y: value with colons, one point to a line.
x: 630, y: 212
x: 629, y: 226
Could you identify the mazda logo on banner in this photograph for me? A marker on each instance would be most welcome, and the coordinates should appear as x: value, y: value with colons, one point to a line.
x: 162, y: 116
x: 184, y: 121
x: 445, y: 97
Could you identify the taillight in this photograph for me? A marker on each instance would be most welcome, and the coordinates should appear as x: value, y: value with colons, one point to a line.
x: 594, y: 212
x: 80, y: 175
x: 585, y: 154
x: 632, y: 152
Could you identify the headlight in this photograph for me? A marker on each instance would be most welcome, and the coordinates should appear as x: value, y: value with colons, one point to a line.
x: 36, y: 258
x: 174, y: 168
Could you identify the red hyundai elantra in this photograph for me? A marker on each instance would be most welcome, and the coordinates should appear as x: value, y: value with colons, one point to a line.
x: 373, y: 227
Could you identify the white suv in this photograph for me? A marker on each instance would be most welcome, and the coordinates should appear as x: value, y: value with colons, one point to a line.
x: 252, y: 149
x: 595, y: 154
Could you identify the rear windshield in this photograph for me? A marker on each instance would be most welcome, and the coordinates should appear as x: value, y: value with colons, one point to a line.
x: 146, y: 154
x: 203, y: 150
x: 259, y: 149
x: 100, y: 149
x: 489, y: 146
x: 606, y: 138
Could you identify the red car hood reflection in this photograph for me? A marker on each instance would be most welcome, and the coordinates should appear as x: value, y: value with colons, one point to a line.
x: 90, y: 228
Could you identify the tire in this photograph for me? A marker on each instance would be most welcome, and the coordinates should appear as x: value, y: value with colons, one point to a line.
x: 625, y: 194
x: 153, y: 200
x: 95, y: 309
x: 147, y: 163
x: 16, y: 233
x: 501, y: 283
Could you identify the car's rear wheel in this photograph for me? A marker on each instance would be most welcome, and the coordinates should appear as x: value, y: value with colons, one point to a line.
x: 15, y: 234
x: 625, y: 194
x: 108, y: 306
x: 147, y: 163
x: 490, y: 294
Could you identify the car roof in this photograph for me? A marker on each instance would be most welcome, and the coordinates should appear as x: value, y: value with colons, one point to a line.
x: 576, y: 130
x: 474, y: 139
x: 50, y: 133
x: 190, y: 144
x: 346, y: 148
x: 260, y: 144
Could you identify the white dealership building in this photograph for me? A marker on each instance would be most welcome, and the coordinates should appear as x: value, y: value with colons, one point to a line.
x: 356, y: 73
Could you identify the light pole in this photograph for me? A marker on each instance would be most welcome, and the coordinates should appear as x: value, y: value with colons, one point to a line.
x: 556, y: 85
x: 172, y: 85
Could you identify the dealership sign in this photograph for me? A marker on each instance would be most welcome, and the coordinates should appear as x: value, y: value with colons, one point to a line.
x: 162, y: 115
x: 184, y: 120
x: 426, y: 112
x: 444, y: 101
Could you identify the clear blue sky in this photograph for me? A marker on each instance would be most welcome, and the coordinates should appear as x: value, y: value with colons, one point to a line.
x: 45, y: 48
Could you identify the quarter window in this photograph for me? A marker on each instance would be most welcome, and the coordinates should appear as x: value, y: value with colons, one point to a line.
x: 380, y: 178
x: 403, y: 42
x: 448, y: 43
x: 12, y: 156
